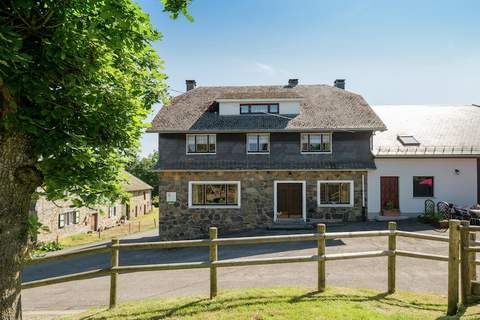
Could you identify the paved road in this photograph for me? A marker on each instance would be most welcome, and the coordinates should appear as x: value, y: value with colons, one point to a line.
x: 412, y: 274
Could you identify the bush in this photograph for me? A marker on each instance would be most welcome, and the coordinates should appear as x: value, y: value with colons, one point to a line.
x: 432, y: 218
x: 48, y: 246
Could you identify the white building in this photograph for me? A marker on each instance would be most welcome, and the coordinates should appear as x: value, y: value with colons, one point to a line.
x: 427, y: 152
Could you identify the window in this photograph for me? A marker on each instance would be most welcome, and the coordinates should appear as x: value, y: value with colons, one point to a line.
x: 408, y: 140
x: 201, y: 143
x: 214, y: 194
x: 258, y: 143
x: 316, y: 142
x: 68, y: 218
x: 423, y: 187
x: 259, y: 108
x: 112, y: 211
x: 335, y: 193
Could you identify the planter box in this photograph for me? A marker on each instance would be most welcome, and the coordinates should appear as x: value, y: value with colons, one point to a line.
x: 391, y: 212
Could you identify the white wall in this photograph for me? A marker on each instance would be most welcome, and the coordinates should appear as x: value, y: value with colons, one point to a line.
x: 459, y: 189
x: 233, y: 108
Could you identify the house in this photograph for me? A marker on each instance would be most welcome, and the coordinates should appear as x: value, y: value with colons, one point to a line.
x: 250, y: 156
x: 427, y: 152
x: 62, y: 220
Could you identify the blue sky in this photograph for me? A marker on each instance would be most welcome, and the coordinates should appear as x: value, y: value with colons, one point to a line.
x: 391, y: 52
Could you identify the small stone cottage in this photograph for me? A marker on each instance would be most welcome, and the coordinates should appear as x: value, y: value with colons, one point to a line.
x: 61, y: 220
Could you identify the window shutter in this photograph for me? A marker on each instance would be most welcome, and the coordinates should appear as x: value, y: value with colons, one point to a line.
x: 61, y: 220
x: 77, y: 217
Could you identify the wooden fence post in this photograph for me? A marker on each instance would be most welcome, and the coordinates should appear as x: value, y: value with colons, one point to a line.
x: 473, y: 257
x: 213, y: 257
x: 465, y: 262
x: 392, y: 246
x: 139, y: 226
x: 321, y: 255
x: 114, y: 274
x: 453, y: 260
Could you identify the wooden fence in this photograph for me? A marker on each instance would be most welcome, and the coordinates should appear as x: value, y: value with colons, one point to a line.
x: 459, y: 247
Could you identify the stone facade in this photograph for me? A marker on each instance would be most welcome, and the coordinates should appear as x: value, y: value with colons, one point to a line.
x: 140, y: 203
x: 178, y: 221
x: 48, y: 213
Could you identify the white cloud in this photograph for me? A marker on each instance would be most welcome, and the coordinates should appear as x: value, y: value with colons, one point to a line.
x: 266, y: 68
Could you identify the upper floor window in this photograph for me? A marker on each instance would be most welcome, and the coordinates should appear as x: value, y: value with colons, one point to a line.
x: 201, y: 143
x: 259, y: 108
x: 258, y: 143
x: 316, y: 142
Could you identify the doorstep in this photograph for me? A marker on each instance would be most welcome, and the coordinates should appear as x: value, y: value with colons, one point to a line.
x: 394, y: 218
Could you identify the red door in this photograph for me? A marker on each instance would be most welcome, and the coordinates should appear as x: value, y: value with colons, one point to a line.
x: 389, y: 191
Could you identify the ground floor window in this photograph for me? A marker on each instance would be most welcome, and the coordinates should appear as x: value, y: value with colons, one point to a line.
x: 68, y: 218
x: 214, y: 194
x: 112, y: 211
x: 335, y: 193
x: 423, y: 187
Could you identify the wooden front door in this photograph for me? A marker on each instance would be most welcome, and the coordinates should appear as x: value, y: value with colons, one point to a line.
x: 389, y: 191
x: 289, y: 200
x: 94, y: 221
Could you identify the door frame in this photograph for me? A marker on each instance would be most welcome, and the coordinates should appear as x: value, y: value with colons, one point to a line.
x: 304, y: 197
x: 398, y: 190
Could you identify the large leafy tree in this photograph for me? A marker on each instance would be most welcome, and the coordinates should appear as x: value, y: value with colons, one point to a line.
x: 77, y: 78
x: 141, y: 167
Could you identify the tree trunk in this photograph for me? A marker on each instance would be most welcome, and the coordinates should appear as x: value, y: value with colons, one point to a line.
x: 19, y: 178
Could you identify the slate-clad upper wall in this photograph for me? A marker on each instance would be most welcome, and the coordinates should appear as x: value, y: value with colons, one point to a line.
x: 349, y: 151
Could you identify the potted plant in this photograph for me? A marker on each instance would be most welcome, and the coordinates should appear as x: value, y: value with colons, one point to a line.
x: 389, y: 210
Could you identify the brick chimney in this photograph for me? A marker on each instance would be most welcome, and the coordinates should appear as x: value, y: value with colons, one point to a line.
x: 339, y: 83
x: 191, y: 84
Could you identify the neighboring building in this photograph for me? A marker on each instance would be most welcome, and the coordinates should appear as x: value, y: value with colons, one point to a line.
x: 250, y: 156
x: 428, y: 152
x: 61, y: 220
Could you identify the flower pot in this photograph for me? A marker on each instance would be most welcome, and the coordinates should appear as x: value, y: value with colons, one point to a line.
x: 391, y: 212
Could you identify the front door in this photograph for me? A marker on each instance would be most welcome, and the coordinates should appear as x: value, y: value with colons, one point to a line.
x: 389, y: 192
x: 94, y: 221
x: 289, y: 200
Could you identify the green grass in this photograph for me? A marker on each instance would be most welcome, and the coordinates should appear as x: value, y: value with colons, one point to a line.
x: 288, y: 303
x: 146, y: 223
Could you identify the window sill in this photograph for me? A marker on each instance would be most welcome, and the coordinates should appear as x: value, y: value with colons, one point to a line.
x: 335, y: 206
x: 258, y: 152
x: 316, y: 152
x: 423, y: 198
x: 215, y: 207
x: 200, y: 153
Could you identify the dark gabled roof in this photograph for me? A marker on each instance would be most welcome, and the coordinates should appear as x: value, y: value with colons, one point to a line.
x: 443, y: 131
x: 322, y: 108
x: 132, y: 183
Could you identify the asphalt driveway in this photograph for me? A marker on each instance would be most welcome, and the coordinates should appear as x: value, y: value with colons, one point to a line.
x: 412, y: 274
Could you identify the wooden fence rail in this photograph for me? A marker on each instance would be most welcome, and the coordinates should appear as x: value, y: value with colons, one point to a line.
x: 321, y: 257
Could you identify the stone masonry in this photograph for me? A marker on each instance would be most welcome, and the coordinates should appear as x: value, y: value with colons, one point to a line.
x: 177, y: 221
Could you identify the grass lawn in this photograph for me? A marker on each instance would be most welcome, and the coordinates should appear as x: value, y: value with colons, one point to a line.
x: 142, y: 223
x: 289, y: 303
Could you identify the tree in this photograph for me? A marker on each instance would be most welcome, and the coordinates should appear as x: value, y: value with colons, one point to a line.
x: 142, y: 169
x: 77, y: 78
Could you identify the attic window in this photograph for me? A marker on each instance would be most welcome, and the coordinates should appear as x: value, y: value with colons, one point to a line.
x: 408, y: 140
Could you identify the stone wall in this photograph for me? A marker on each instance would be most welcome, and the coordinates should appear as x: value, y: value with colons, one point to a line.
x: 177, y: 221
x: 140, y: 203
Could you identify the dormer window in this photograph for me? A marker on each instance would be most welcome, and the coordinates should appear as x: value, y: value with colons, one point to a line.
x: 259, y: 108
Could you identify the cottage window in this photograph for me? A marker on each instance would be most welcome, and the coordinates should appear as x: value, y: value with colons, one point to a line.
x: 68, y: 218
x: 335, y: 193
x: 201, y: 143
x: 258, y: 143
x: 214, y: 194
x: 259, y: 108
x: 423, y: 187
x: 316, y: 142
x: 112, y: 212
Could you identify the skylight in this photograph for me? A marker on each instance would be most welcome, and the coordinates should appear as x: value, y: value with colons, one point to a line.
x: 408, y: 140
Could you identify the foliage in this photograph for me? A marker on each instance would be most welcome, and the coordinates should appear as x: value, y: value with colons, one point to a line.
x: 47, y: 246
x: 78, y: 78
x: 431, y: 218
x: 34, y: 226
x: 142, y: 169
x: 389, y: 205
x: 288, y: 303
x: 155, y: 200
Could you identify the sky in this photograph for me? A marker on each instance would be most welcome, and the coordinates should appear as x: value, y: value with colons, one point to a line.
x: 390, y: 52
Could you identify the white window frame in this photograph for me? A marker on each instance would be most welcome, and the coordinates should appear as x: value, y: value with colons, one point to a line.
x: 200, y: 153
x: 257, y: 134
x: 316, y: 152
x: 352, y: 189
x: 192, y: 206
x: 61, y: 220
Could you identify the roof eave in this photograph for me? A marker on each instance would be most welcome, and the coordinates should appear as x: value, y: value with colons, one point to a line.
x: 266, y: 130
